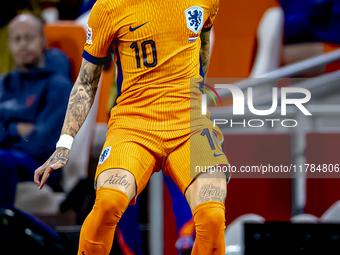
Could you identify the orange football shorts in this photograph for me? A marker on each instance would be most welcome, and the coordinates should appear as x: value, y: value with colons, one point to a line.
x: 181, y: 154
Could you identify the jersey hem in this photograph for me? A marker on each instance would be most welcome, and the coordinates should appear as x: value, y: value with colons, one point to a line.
x: 206, y: 29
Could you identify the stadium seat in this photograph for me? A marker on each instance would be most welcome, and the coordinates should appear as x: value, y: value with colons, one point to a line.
x: 247, y: 39
x: 34, y: 201
x: 332, y: 215
x: 70, y: 38
x: 304, y: 218
x: 234, y: 234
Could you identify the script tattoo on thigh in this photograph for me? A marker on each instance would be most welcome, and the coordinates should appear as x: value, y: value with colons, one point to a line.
x: 209, y: 192
x: 117, y: 179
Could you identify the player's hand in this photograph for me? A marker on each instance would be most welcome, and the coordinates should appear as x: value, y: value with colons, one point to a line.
x: 58, y: 159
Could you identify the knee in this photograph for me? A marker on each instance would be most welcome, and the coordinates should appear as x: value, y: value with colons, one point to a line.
x: 215, y: 218
x: 210, y: 225
x: 213, y: 214
x: 210, y: 216
x: 111, y: 203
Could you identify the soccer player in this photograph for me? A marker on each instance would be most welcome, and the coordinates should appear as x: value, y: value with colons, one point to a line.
x: 157, y: 122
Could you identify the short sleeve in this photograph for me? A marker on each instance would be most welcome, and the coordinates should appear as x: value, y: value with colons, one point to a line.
x: 212, y: 15
x: 100, y: 34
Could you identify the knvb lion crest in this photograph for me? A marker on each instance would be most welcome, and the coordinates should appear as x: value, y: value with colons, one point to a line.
x: 194, y: 16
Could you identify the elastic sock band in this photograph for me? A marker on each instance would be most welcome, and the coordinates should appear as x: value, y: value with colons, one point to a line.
x: 120, y: 193
x: 208, y: 204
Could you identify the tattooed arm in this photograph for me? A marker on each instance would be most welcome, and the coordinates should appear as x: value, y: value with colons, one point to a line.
x: 205, y: 51
x: 81, y: 98
x: 79, y: 105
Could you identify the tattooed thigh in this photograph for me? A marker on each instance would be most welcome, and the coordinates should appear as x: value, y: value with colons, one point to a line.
x: 211, y: 192
x: 206, y: 189
x: 118, y: 179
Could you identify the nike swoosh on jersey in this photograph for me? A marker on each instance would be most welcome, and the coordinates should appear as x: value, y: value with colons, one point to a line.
x: 135, y: 28
x: 217, y: 155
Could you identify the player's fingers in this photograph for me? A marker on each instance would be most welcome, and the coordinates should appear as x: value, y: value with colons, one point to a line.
x: 37, y: 174
x: 45, y: 176
x: 47, y: 172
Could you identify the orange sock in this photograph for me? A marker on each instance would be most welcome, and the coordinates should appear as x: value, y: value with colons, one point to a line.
x: 210, y: 224
x: 97, y: 232
x: 188, y: 228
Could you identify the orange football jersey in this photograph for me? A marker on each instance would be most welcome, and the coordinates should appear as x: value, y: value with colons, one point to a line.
x: 156, y: 47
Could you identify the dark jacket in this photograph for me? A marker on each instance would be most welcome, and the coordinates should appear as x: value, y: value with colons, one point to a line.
x: 311, y: 21
x: 39, y: 97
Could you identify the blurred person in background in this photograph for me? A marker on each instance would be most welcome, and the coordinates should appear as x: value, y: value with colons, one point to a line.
x: 86, y: 6
x: 33, y: 101
x: 312, y: 21
x: 45, y: 9
x: 308, y: 25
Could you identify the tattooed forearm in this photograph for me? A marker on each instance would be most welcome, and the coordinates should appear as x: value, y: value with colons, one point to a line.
x: 59, y: 156
x: 81, y: 97
x: 117, y: 179
x: 205, y: 51
x: 209, y: 192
